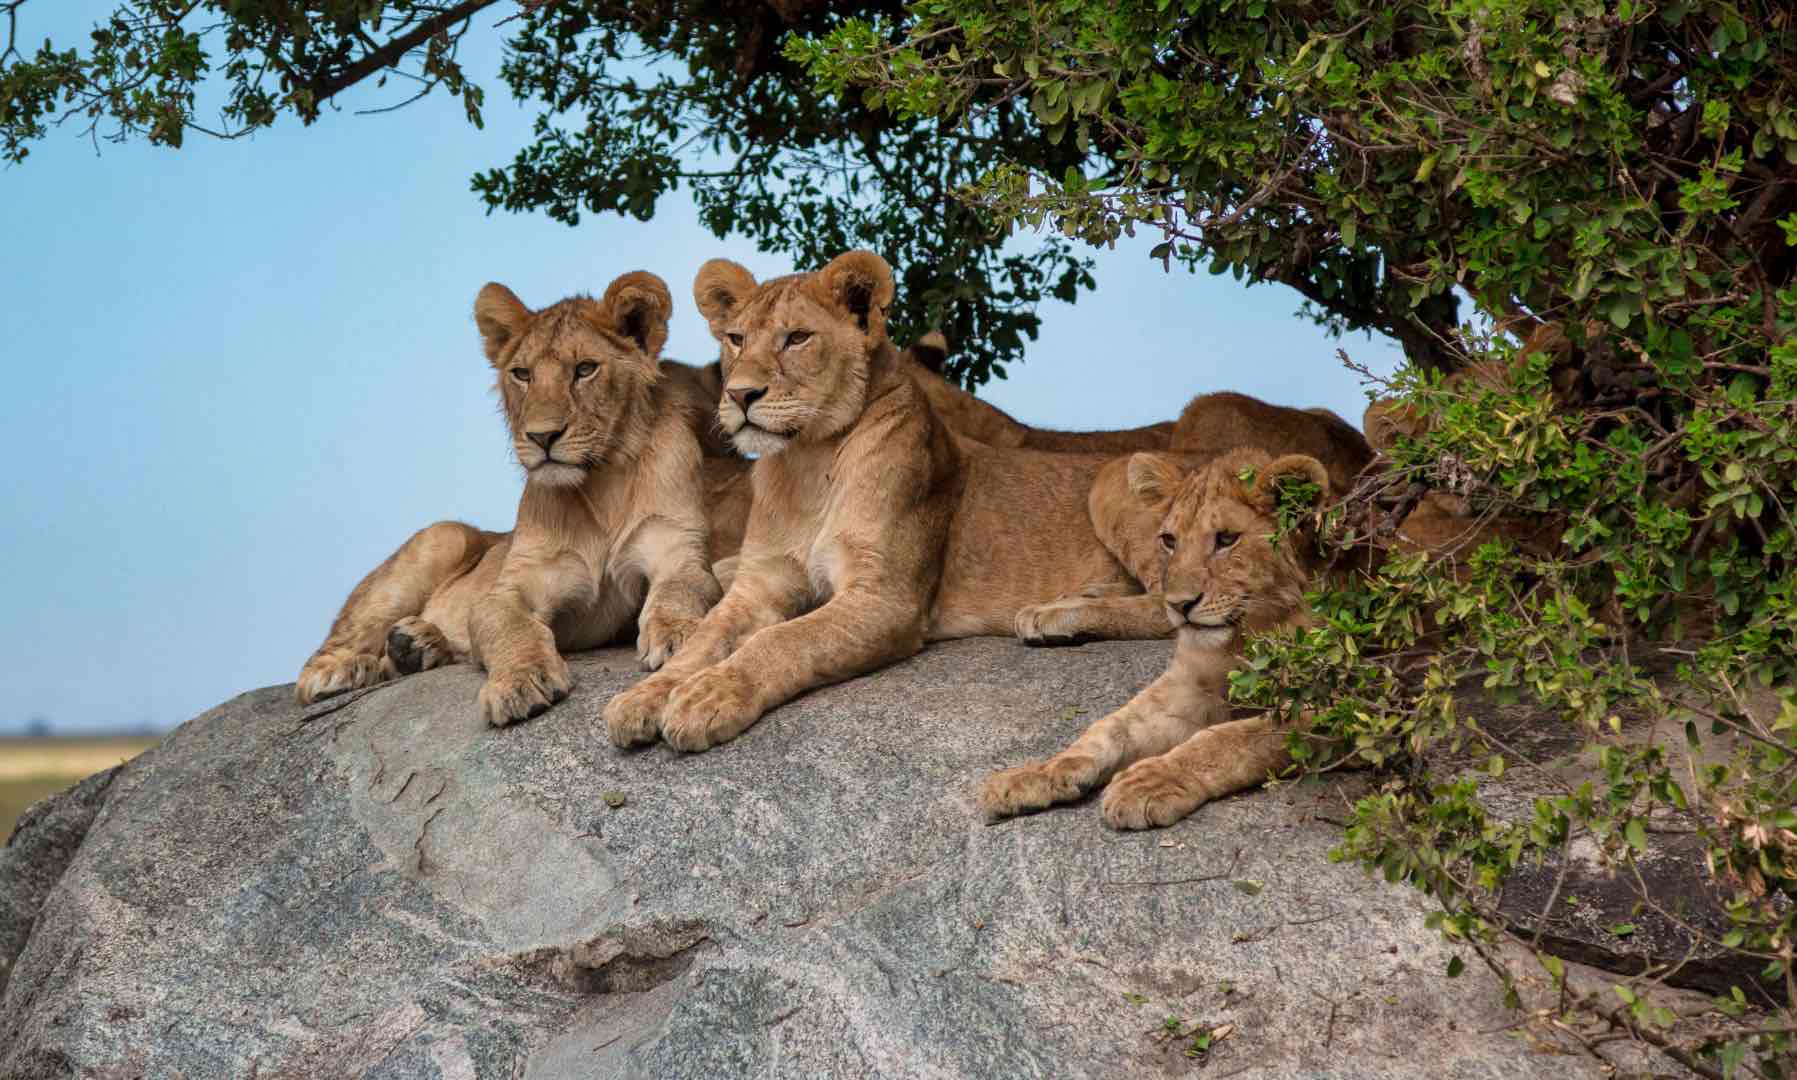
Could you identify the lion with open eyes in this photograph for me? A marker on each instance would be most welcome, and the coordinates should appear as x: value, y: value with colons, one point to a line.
x: 873, y: 527
x: 611, y: 527
x: 1174, y: 747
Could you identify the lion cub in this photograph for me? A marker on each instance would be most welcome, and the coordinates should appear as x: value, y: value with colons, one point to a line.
x: 611, y: 526
x: 1174, y: 747
x: 1211, y: 426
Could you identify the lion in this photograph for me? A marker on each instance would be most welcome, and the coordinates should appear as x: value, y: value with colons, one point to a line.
x: 873, y: 526
x: 1174, y: 747
x: 1443, y: 521
x: 611, y: 526
x: 1210, y: 426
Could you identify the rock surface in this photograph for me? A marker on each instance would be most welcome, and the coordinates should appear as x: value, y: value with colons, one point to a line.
x: 44, y: 841
x: 388, y: 888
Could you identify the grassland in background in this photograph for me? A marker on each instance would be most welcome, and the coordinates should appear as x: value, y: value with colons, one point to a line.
x: 31, y: 769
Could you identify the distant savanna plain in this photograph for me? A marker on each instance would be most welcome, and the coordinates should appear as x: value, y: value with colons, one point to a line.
x: 36, y: 768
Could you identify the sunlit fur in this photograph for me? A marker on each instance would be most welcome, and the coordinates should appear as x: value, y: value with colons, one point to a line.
x: 1225, y: 576
x: 1211, y: 426
x: 611, y: 525
x: 1173, y: 746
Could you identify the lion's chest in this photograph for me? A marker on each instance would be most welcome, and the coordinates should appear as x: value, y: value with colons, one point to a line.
x: 819, y: 512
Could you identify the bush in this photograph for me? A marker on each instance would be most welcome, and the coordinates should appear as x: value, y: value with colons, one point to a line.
x: 1616, y: 183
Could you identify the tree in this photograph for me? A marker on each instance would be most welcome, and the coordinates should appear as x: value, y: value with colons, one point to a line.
x: 638, y: 99
x: 1616, y: 183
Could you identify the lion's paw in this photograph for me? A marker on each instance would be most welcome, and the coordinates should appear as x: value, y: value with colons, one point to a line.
x: 1150, y: 794
x: 1035, y: 787
x: 1058, y: 622
x: 712, y: 707
x: 661, y: 637
x: 525, y: 690
x: 414, y: 645
x: 328, y: 674
x: 633, y: 716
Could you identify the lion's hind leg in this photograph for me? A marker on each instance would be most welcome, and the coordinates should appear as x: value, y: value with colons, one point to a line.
x: 1215, y: 762
x: 356, y: 652
x: 415, y: 644
x: 1166, y: 712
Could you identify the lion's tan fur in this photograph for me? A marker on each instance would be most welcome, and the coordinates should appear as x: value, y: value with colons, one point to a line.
x: 1174, y: 746
x: 1211, y: 426
x: 611, y: 526
x: 1446, y: 522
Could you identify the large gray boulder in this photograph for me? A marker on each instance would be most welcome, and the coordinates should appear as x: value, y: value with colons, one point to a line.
x: 389, y: 888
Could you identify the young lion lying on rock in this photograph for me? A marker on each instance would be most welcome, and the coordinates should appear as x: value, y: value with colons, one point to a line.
x: 611, y: 526
x: 1173, y: 747
x: 1209, y: 427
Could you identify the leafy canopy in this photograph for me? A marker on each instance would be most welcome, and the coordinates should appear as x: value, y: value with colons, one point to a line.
x: 1616, y: 183
x: 636, y: 100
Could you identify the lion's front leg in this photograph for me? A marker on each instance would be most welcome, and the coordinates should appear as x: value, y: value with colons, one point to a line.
x: 682, y: 591
x: 525, y: 672
x: 1167, y: 711
x: 856, y: 631
x: 1071, y: 620
x: 1215, y: 762
x: 510, y: 632
x: 765, y: 591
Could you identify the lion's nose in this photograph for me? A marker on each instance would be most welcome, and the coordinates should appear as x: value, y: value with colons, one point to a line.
x: 545, y: 439
x: 745, y: 396
x: 1185, y: 605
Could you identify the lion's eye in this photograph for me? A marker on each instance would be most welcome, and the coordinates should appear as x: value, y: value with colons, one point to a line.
x: 585, y: 368
x: 1226, y: 540
x: 797, y: 337
x: 521, y: 374
x: 735, y: 340
x: 1169, y: 541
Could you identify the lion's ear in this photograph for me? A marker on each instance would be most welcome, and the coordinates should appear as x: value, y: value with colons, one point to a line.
x: 637, y: 305
x: 500, y: 316
x: 719, y: 289
x: 930, y: 351
x: 1153, y: 478
x: 860, y: 283
x: 1386, y: 419
x: 1289, y: 467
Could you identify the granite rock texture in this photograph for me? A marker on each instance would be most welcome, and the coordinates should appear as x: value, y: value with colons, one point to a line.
x: 386, y: 887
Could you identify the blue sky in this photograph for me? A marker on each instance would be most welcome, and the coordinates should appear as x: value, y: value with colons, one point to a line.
x: 239, y: 374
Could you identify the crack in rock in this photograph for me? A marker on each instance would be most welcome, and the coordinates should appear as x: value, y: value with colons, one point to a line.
x: 620, y: 961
